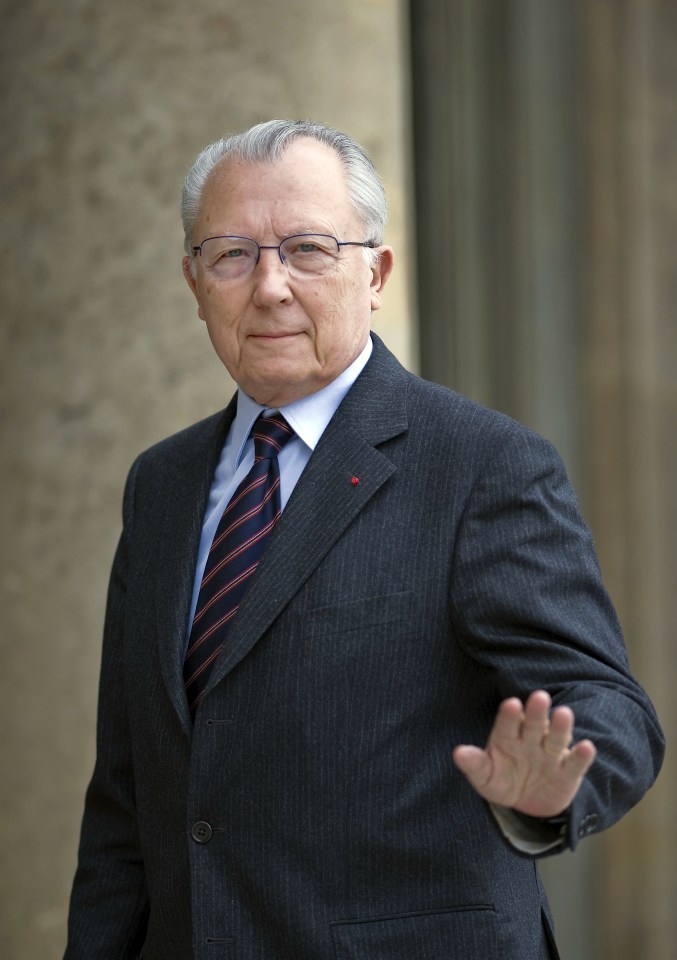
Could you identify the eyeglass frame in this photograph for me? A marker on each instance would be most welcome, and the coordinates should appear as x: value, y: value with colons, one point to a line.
x: 368, y: 244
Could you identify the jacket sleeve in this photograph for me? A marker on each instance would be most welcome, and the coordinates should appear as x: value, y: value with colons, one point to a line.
x: 109, y: 903
x: 529, y: 607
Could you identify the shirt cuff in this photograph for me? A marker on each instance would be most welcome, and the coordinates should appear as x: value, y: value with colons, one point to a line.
x: 531, y: 835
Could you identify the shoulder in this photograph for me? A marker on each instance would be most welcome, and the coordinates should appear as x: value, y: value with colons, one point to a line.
x: 487, y: 451
x: 447, y: 424
x: 176, y: 447
x: 181, y: 460
x: 435, y: 407
x: 455, y: 421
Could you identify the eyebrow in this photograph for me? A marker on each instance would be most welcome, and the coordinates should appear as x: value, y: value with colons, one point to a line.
x: 299, y: 231
x: 295, y: 232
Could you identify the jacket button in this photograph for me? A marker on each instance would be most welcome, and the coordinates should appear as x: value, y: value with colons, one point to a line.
x: 588, y: 825
x: 201, y: 832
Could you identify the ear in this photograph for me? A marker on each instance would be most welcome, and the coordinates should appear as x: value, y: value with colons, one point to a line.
x: 188, y: 264
x: 380, y: 271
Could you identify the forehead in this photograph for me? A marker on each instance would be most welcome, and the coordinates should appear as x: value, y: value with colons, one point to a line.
x: 305, y: 188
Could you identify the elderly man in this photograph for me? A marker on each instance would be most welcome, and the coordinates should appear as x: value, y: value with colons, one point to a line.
x: 351, y: 620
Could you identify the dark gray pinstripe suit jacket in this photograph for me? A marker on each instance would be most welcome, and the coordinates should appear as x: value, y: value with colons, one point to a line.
x: 385, y: 624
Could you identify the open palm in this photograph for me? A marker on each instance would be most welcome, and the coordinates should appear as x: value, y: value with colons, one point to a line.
x: 528, y: 763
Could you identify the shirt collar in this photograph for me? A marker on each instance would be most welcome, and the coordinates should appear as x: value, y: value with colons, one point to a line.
x: 308, y: 416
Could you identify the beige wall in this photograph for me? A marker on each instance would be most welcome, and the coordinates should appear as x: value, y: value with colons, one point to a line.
x: 106, y: 107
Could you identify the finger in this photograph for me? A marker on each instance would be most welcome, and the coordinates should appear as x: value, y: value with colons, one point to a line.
x: 508, y: 722
x: 580, y: 759
x: 536, y: 723
x: 560, y: 734
x: 474, y: 763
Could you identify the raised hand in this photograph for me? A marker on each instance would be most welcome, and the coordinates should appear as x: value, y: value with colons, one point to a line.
x: 528, y: 763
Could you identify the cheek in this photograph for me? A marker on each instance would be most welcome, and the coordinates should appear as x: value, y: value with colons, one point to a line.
x: 220, y: 311
x: 338, y: 308
x: 314, y: 302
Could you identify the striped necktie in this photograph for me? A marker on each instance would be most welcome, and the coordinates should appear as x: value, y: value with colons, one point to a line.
x: 239, y: 543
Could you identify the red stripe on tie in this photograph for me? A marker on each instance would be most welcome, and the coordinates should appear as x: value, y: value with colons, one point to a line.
x: 224, y: 590
x: 240, y: 540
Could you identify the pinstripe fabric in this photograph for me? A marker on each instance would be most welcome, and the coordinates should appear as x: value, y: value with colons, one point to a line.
x: 239, y: 543
x: 387, y: 620
x: 434, y: 935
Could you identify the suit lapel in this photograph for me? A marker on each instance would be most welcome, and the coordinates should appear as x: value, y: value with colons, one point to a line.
x: 186, y: 485
x: 325, y: 501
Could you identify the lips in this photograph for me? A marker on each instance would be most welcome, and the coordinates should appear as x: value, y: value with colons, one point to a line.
x: 282, y: 335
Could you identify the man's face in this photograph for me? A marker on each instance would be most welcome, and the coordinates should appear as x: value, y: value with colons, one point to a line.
x: 281, y: 338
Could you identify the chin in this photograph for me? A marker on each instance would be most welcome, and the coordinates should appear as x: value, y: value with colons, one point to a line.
x: 289, y: 374
x: 274, y: 389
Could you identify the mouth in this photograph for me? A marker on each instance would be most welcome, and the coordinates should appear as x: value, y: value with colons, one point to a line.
x: 282, y: 335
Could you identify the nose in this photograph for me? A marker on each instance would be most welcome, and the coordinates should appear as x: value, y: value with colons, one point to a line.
x: 271, y: 278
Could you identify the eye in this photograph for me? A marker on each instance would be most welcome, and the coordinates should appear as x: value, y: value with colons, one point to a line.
x: 228, y: 250
x: 309, y: 254
x: 307, y: 245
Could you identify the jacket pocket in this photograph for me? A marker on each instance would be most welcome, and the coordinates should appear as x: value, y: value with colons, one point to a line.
x: 461, y: 933
x: 366, y: 613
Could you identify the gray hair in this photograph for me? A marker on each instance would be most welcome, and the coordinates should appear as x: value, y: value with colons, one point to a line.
x: 265, y: 143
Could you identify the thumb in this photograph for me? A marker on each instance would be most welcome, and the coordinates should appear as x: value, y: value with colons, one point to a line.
x: 474, y: 763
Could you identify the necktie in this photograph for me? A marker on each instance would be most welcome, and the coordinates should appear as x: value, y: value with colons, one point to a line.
x: 239, y: 543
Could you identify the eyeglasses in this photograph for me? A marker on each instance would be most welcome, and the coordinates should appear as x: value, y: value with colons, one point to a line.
x: 304, y: 255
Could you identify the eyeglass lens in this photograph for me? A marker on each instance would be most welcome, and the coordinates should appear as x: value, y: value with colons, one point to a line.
x: 307, y: 255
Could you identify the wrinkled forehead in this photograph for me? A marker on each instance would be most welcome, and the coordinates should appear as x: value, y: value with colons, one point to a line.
x: 306, y: 184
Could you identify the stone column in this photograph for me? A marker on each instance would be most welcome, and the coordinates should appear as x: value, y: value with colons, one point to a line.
x: 105, y: 107
x: 546, y: 186
x: 629, y: 58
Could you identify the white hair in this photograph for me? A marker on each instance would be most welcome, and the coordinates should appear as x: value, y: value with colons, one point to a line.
x: 265, y: 143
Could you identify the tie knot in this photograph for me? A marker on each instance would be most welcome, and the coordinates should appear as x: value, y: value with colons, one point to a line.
x: 270, y: 434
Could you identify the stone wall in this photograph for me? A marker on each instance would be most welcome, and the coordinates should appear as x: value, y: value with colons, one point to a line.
x: 105, y: 106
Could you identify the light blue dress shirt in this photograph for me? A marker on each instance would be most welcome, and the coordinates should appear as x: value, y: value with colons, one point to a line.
x: 308, y: 418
